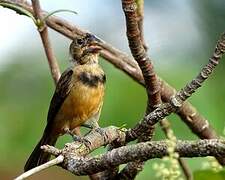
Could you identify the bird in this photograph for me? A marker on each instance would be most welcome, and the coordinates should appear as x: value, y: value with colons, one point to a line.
x: 78, y: 97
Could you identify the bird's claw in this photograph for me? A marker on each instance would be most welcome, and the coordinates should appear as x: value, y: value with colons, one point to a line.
x: 75, y: 137
x: 87, y: 126
x: 99, y: 130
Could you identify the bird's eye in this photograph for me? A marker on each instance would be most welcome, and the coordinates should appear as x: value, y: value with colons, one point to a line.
x: 80, y: 41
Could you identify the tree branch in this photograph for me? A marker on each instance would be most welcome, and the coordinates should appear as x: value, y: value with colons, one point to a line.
x: 140, y: 20
x: 177, y: 100
x: 90, y: 142
x: 134, y: 24
x: 185, y: 168
x: 141, y: 151
x: 43, y: 31
x: 139, y: 53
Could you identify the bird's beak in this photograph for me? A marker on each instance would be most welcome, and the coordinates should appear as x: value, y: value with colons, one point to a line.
x: 93, y: 44
x: 93, y: 49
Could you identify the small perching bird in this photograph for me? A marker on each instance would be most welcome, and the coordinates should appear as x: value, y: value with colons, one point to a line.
x: 78, y: 97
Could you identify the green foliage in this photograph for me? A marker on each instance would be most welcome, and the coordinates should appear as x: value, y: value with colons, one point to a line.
x: 57, y: 11
x: 18, y: 10
x: 22, y: 11
x: 209, y: 175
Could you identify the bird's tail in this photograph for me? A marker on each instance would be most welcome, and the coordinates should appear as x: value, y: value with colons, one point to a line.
x: 38, y: 156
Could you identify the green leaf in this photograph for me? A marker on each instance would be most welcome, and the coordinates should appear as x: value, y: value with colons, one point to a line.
x: 209, y: 175
x: 18, y: 10
x: 57, y: 11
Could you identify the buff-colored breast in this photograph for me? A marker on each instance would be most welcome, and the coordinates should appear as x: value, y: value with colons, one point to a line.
x: 81, y: 104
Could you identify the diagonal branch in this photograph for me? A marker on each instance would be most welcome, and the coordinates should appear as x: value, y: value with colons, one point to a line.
x: 177, y: 100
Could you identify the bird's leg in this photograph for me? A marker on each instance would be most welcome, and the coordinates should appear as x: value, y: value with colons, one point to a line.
x: 89, y: 126
x: 93, y: 126
x: 75, y: 137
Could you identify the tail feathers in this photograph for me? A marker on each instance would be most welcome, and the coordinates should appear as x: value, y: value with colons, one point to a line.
x: 38, y: 156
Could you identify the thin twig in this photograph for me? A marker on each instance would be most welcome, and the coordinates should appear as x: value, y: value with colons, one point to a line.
x: 42, y: 28
x: 185, y: 168
x: 37, y: 169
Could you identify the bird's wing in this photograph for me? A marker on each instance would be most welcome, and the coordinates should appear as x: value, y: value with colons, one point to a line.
x: 63, y: 88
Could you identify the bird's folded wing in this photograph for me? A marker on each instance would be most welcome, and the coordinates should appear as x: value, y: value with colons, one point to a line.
x: 63, y: 88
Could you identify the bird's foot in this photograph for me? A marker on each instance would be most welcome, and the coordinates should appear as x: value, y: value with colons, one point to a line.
x: 89, y: 126
x: 123, y: 128
x: 98, y: 130
x: 93, y: 128
x: 75, y: 137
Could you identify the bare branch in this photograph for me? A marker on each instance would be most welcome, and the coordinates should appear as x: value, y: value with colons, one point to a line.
x: 134, y: 23
x: 134, y: 20
x: 42, y: 28
x: 75, y: 159
x: 188, y: 113
x: 186, y: 169
x: 141, y: 151
x: 90, y: 142
x: 37, y: 169
x: 138, y: 52
x: 133, y: 168
x: 178, y: 99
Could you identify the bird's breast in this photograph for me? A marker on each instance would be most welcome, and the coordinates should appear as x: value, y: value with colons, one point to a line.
x: 84, y: 100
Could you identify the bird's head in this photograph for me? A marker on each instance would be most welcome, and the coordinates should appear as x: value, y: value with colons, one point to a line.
x: 85, y: 49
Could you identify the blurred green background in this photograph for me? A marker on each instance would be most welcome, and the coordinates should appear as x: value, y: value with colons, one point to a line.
x: 181, y: 36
